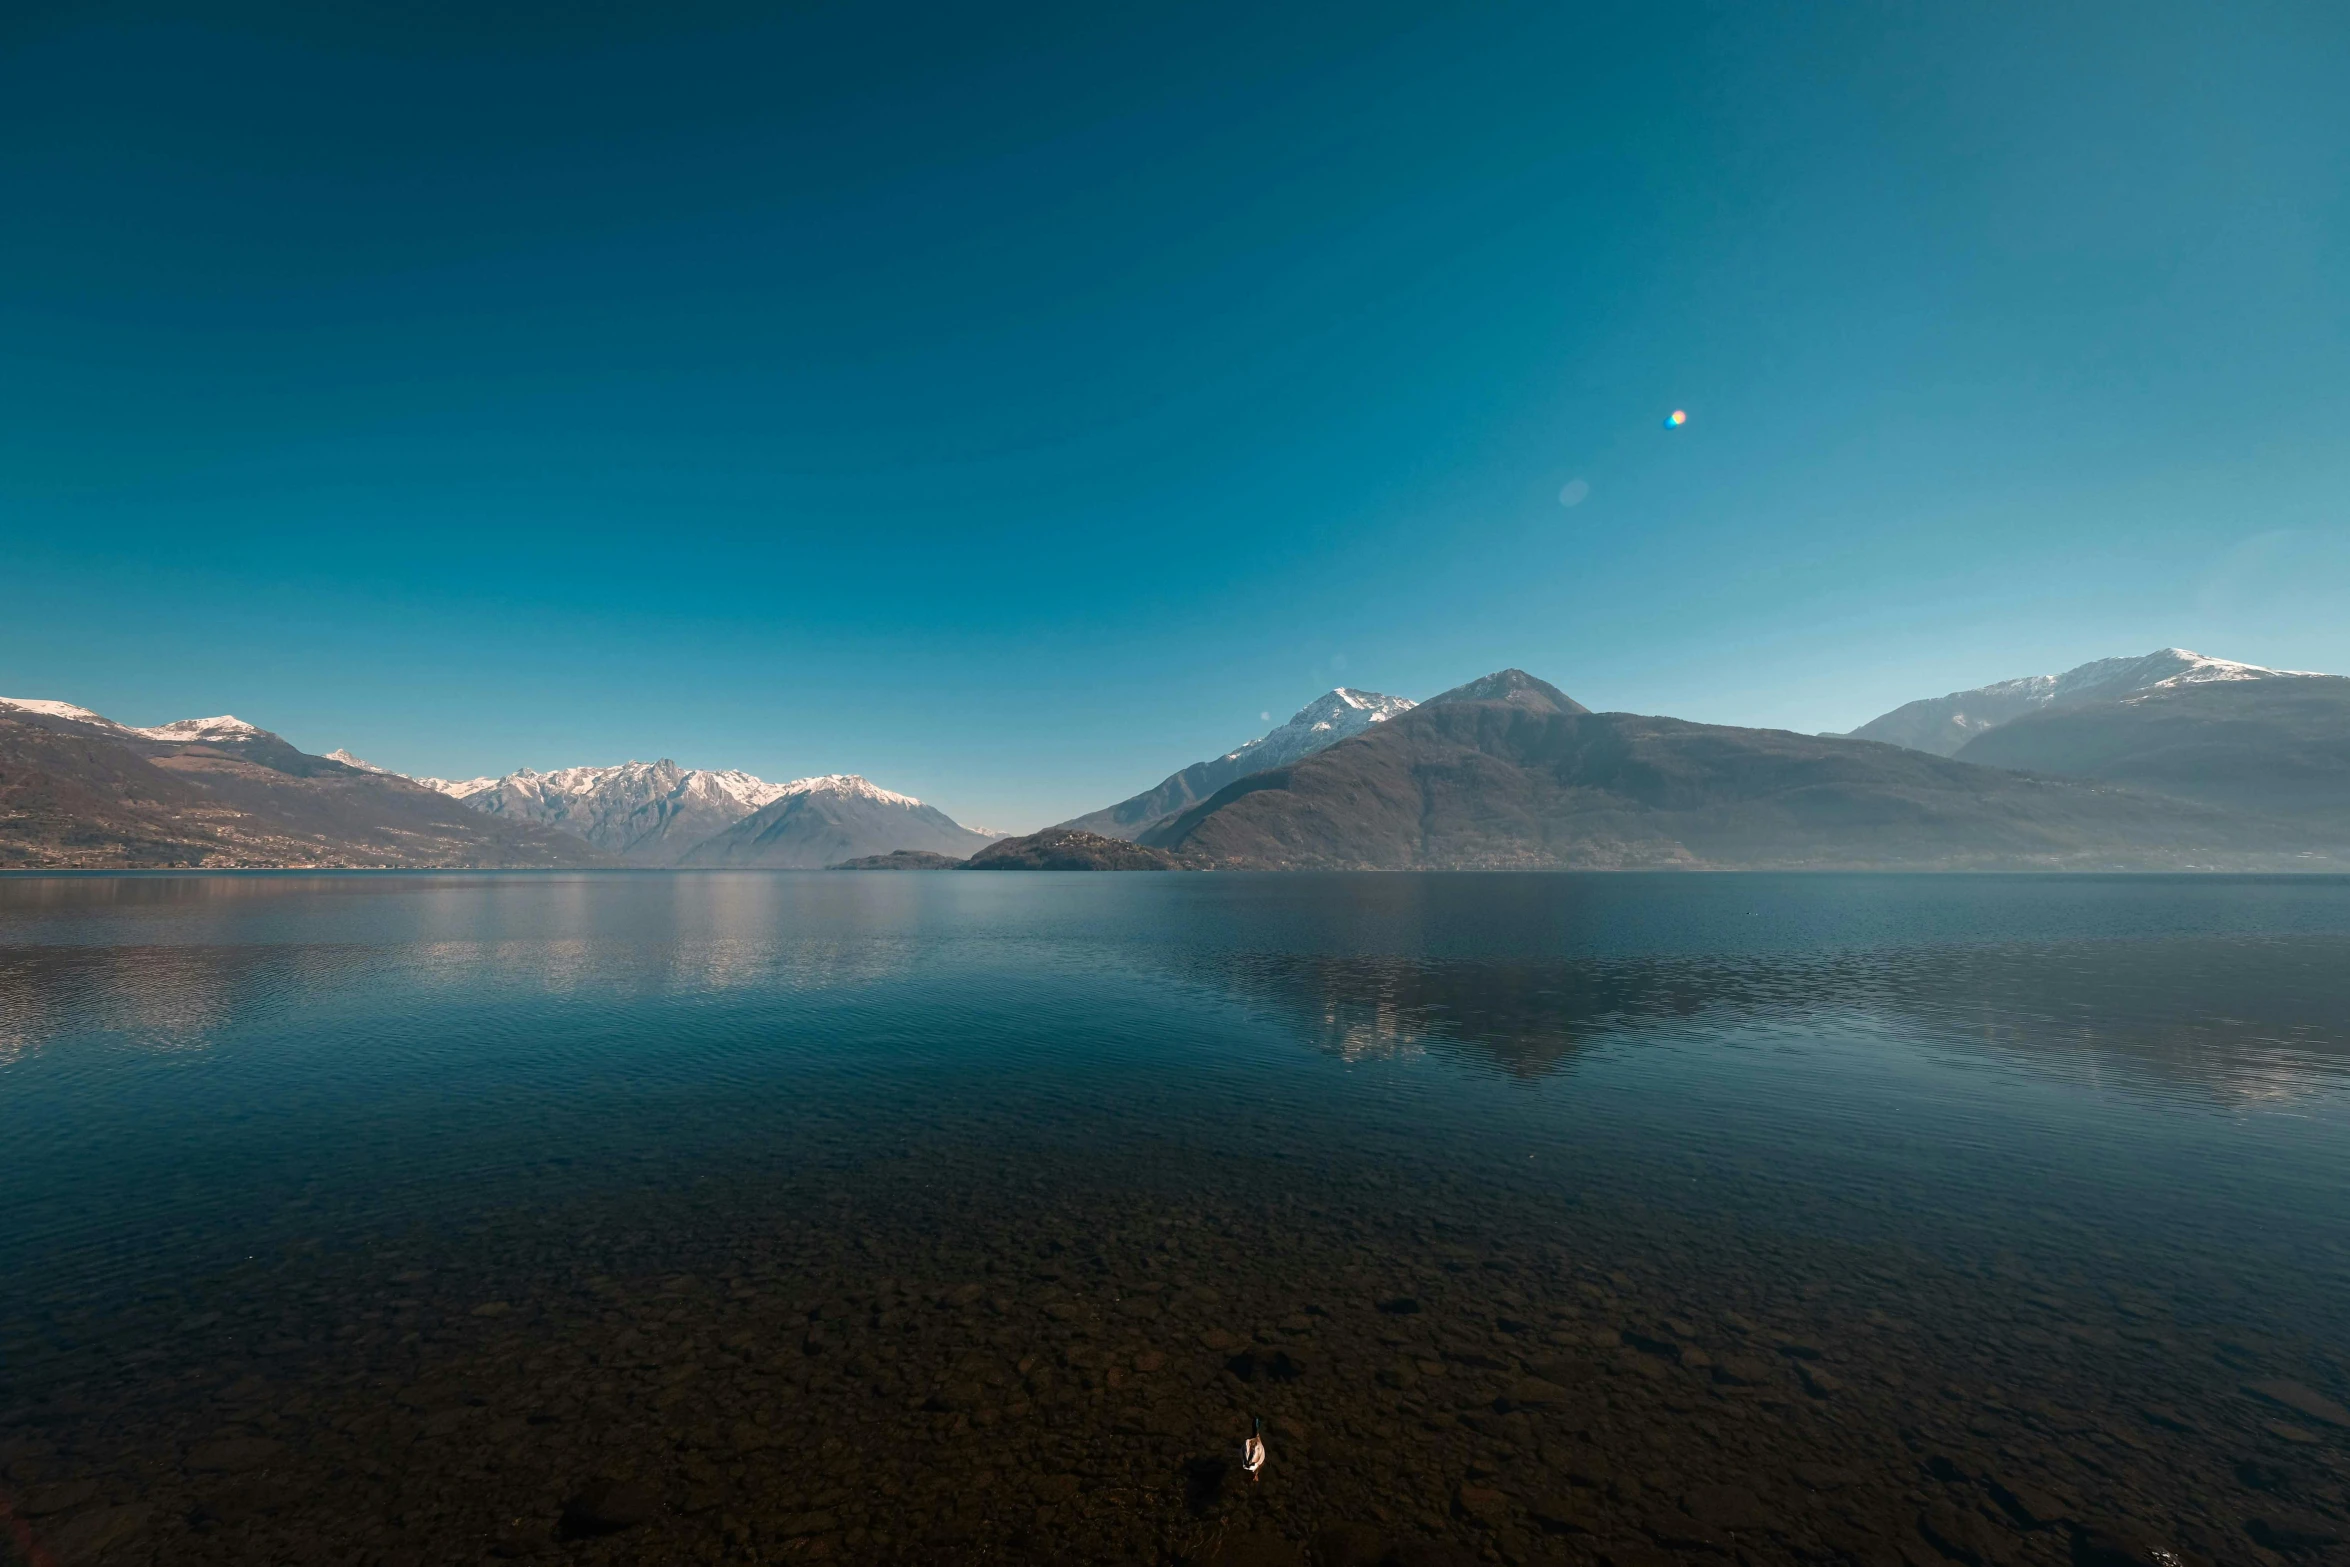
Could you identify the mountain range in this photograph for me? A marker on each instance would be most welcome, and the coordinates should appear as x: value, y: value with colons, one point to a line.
x: 2169, y: 761
x: 659, y: 814
x: 2270, y: 741
x: 78, y: 790
x: 648, y: 813
x: 1508, y: 772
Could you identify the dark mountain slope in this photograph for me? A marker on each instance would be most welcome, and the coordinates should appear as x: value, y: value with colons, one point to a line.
x: 2280, y: 747
x: 1526, y: 778
x: 75, y: 795
x: 71, y: 800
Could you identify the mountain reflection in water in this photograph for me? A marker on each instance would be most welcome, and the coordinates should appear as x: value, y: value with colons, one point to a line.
x: 1527, y: 1018
x: 2238, y: 1019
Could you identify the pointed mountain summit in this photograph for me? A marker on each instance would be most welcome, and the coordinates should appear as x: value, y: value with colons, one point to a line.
x: 1335, y: 715
x: 1515, y: 687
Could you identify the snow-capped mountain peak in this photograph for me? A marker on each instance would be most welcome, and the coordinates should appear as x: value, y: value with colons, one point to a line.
x: 191, y: 731
x: 1333, y: 716
x: 647, y: 812
x: 2197, y: 669
x: 815, y: 822
x: 49, y: 709
x: 843, y: 784
x: 180, y: 731
x: 454, y: 788
x: 750, y: 790
x: 653, y: 811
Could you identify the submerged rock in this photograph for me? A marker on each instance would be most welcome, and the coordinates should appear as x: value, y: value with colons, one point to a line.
x: 64, y: 1496
x: 232, y: 1455
x: 2301, y: 1400
x: 85, y: 1537
x: 605, y: 1505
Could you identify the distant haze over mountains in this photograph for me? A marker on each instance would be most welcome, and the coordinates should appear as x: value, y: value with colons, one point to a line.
x: 2277, y: 747
x: 1944, y: 724
x: 2270, y: 741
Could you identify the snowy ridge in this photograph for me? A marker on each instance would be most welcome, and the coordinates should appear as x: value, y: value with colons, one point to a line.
x: 2194, y: 669
x: 180, y: 731
x: 190, y: 731
x: 747, y: 790
x: 848, y: 784
x: 751, y: 790
x: 652, y: 811
x: 456, y: 788
x: 49, y: 709
x: 743, y: 788
x: 648, y: 813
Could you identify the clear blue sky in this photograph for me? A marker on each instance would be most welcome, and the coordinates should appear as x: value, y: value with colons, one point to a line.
x: 1011, y: 403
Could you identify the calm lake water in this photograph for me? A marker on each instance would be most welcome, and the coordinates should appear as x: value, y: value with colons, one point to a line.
x: 767, y: 1217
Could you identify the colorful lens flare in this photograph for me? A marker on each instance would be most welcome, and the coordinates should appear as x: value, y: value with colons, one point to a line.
x: 1676, y: 419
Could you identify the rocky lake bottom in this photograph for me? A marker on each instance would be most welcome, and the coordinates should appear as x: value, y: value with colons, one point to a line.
x: 1628, y: 1221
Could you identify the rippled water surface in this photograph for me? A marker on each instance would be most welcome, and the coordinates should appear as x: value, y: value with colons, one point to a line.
x: 950, y: 1216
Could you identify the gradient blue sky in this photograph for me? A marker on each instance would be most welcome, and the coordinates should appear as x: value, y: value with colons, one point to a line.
x: 1011, y: 403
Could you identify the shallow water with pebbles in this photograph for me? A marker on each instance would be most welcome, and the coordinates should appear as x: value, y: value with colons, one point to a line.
x: 944, y: 1217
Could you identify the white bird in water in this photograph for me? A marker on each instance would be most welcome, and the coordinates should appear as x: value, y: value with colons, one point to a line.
x: 1252, y: 1451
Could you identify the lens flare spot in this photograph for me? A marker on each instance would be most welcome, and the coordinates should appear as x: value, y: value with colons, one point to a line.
x: 1676, y: 419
